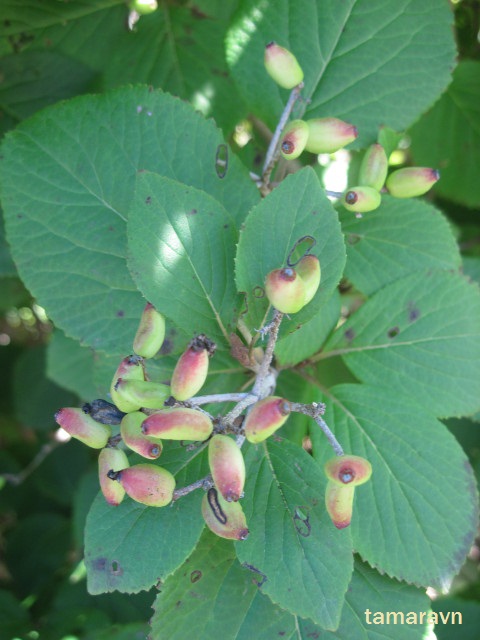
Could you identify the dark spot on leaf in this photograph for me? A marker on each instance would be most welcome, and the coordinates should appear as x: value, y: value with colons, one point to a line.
x: 349, y: 334
x: 314, y: 212
x: 225, y: 226
x: 148, y: 200
x: 19, y: 216
x: 394, y: 331
x: 258, y: 292
x: 198, y: 14
x: 353, y: 238
x: 300, y: 249
x: 192, y: 212
x: 99, y: 564
x: 120, y: 313
x: 115, y: 568
x: 261, y: 582
x: 195, y: 576
x: 111, y: 228
x: 413, y: 312
x: 178, y: 603
x: 302, y: 522
x: 281, y: 633
x: 221, y: 160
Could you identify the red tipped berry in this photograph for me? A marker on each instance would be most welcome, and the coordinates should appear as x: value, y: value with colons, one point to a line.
x: 352, y: 470
x: 111, y: 459
x: 142, y: 393
x: 178, y: 424
x: 411, y: 182
x: 361, y: 199
x: 191, y: 369
x: 285, y: 290
x: 339, y: 503
x: 130, y: 368
x: 308, y: 268
x: 83, y: 427
x: 227, y: 467
x: 146, y: 483
x: 282, y: 66
x: 294, y: 139
x: 374, y: 167
x: 136, y: 440
x: 265, y: 418
x: 225, y: 519
x: 327, y: 135
x: 150, y: 333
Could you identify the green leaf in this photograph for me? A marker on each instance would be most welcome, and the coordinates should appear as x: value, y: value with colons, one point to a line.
x: 36, y: 79
x: 398, y: 238
x: 14, y: 619
x: 471, y: 268
x: 7, y: 267
x: 208, y: 591
x: 303, y: 562
x: 68, y: 178
x: 371, y: 592
x: 416, y: 518
x: 131, y: 547
x: 419, y: 335
x: 453, y: 612
x: 301, y: 344
x: 357, y: 58
x: 298, y: 207
x: 448, y: 137
x: 70, y: 365
x: 183, y: 240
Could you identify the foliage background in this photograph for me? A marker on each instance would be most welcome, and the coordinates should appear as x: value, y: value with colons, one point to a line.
x: 205, y: 53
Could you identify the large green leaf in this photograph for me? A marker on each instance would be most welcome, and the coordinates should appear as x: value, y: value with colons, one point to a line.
x: 68, y: 178
x: 131, y: 547
x: 448, y: 137
x: 71, y: 366
x: 399, y: 238
x: 211, y: 595
x: 419, y: 335
x: 181, y: 255
x: 298, y: 207
x: 302, y: 560
x: 369, y: 63
x: 416, y: 518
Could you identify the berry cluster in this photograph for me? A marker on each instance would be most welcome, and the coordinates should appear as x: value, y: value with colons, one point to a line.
x: 146, y: 413
x: 327, y: 135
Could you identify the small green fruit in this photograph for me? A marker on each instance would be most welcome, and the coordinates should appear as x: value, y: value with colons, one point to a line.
x: 411, y: 182
x: 83, y: 427
x: 294, y: 139
x: 285, y: 290
x: 111, y: 459
x: 225, y: 519
x: 142, y: 393
x: 227, y: 467
x: 130, y: 368
x: 327, y: 135
x: 308, y: 268
x: 265, y: 418
x: 361, y: 199
x: 146, y: 483
x: 374, y: 167
x: 150, y: 333
x: 178, y: 424
x: 282, y: 66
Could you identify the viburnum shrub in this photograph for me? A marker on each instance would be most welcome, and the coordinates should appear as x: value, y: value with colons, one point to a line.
x: 261, y: 345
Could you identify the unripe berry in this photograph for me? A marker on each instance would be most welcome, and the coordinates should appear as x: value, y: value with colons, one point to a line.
x: 146, y: 483
x: 150, y: 333
x: 111, y: 459
x: 327, y: 135
x: 83, y: 427
x: 361, y: 199
x: 227, y: 467
x: 265, y: 418
x: 374, y: 167
x: 130, y: 368
x: 294, y: 139
x: 142, y: 393
x: 339, y: 503
x: 178, y: 424
x: 136, y: 440
x: 411, y: 182
x: 191, y: 369
x: 351, y: 470
x: 282, y: 66
x: 308, y: 268
x: 285, y: 290
x: 225, y: 519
